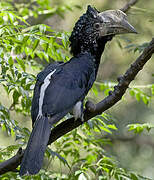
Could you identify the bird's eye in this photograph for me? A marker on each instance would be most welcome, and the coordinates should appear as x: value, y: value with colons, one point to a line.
x: 96, y: 25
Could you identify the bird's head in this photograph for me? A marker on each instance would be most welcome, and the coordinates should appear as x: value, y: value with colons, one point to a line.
x: 95, y: 28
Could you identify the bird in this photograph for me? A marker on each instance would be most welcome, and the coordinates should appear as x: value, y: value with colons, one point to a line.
x: 62, y: 87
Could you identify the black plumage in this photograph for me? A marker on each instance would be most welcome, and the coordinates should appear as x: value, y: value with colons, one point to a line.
x: 62, y: 86
x: 69, y: 84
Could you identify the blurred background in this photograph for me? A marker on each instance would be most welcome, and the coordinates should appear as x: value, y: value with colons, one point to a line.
x: 134, y: 152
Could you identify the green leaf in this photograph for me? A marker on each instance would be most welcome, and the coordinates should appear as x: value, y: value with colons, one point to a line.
x: 112, y: 126
x: 3, y: 127
x: 134, y: 176
x: 12, y: 132
x: 145, y: 100
x: 138, y: 96
x: 106, y: 129
x: 25, y: 39
x: 10, y: 61
x: 138, y: 128
x: 21, y: 63
x: 42, y: 28
x: 131, y: 92
x: 16, y: 96
x: 35, y: 45
x: 152, y: 89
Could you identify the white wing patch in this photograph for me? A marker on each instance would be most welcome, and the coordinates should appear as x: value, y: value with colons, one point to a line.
x: 43, y: 89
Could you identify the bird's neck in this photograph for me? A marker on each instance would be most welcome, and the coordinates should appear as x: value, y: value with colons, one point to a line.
x: 96, y: 49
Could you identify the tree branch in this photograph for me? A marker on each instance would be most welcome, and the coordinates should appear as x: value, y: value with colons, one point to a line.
x: 12, y: 163
x: 128, y: 5
x: 110, y: 100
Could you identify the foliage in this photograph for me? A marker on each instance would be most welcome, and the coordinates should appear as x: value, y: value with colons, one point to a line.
x: 35, y: 8
x: 138, y: 128
x: 134, y: 91
x: 24, y: 49
x: 20, y: 45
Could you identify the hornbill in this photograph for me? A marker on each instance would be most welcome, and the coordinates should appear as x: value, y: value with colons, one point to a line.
x: 62, y: 87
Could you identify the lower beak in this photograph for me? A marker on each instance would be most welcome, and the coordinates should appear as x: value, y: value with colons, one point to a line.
x: 126, y: 27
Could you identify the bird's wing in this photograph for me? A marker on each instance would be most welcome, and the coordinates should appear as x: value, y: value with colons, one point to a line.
x: 60, y: 87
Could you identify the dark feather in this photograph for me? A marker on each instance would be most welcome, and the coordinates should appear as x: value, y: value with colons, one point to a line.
x: 34, y: 153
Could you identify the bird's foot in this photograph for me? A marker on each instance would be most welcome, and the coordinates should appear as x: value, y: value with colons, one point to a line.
x: 90, y: 106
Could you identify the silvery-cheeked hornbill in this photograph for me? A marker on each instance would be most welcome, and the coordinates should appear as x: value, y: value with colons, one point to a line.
x: 62, y: 87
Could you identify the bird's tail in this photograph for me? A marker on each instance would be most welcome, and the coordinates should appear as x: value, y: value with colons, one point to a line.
x: 34, y: 153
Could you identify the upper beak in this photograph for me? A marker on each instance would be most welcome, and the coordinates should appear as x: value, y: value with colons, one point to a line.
x: 115, y: 22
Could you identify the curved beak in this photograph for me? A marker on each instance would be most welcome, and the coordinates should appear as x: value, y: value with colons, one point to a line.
x: 115, y: 22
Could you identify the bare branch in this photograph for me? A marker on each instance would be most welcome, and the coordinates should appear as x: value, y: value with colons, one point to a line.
x: 128, y: 5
